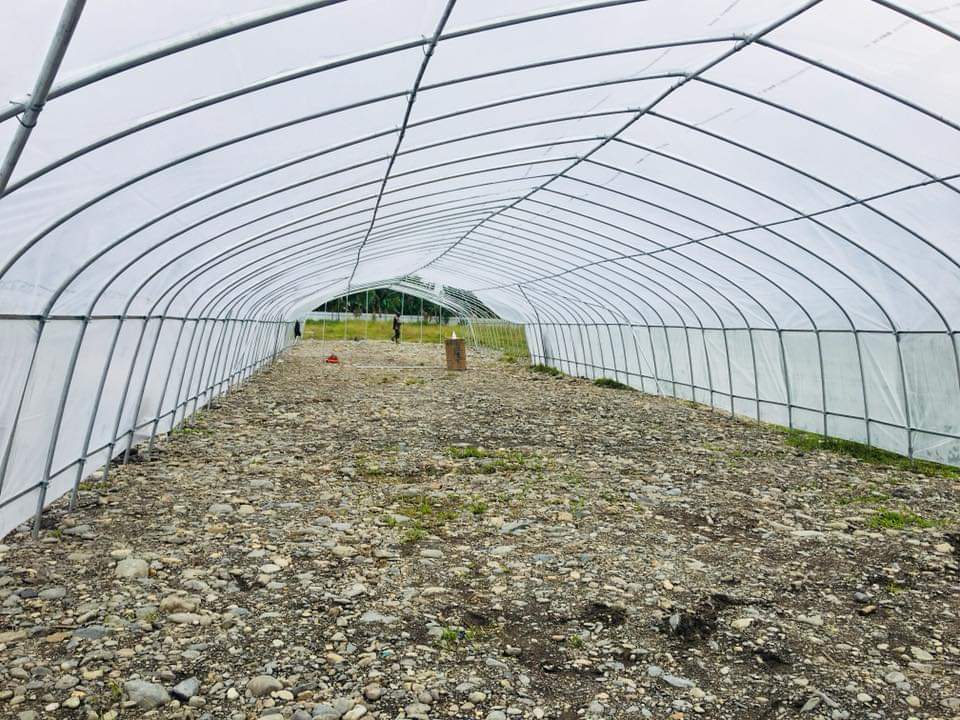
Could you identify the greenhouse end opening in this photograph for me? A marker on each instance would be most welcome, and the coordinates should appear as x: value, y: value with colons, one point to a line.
x: 695, y: 452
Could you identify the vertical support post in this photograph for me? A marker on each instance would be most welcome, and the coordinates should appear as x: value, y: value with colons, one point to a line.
x: 906, y: 396
x: 252, y: 355
x: 143, y: 388
x: 756, y: 377
x: 166, y: 383
x: 123, y: 397
x: 323, y: 326
x: 15, y: 423
x: 726, y: 349
x: 706, y: 360
x: 57, y: 423
x: 277, y: 336
x: 213, y: 375
x: 863, y: 386
x: 786, y: 379
x: 421, y: 321
x: 41, y: 88
x: 536, y: 315
x: 240, y: 356
x: 366, y: 315
x: 473, y: 333
x: 693, y: 383
x: 201, y: 390
x: 613, y: 351
x: 823, y: 381
x: 94, y: 411
x: 673, y: 372
x: 217, y: 370
x: 183, y: 375
x: 402, y: 298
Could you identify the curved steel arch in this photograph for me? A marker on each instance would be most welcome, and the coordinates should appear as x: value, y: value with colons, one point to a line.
x: 371, y: 226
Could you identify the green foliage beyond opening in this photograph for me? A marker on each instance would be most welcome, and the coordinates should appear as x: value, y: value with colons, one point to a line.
x: 360, y: 329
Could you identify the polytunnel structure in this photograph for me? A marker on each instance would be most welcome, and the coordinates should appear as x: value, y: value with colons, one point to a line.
x: 753, y: 205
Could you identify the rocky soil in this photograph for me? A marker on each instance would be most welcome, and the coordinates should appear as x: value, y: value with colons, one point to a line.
x: 344, y: 542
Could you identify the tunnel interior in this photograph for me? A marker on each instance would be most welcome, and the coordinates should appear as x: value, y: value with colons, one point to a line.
x: 703, y: 460
x: 747, y: 205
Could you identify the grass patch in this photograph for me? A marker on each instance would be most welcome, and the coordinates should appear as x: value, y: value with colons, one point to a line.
x: 367, y: 468
x: 192, y: 430
x: 413, y: 534
x: 894, y: 588
x: 875, y: 456
x: 461, y: 453
x: 452, y: 636
x: 577, y: 505
x: 866, y: 499
x: 611, y: 384
x: 545, y: 369
x: 414, y: 381
x: 495, y: 460
x: 887, y: 519
x: 511, y: 462
x: 116, y: 691
x: 576, y: 642
x: 99, y: 485
x: 426, y: 512
x: 572, y: 479
x: 477, y: 507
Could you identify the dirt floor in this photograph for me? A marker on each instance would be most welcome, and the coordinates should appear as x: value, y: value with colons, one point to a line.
x: 384, y: 539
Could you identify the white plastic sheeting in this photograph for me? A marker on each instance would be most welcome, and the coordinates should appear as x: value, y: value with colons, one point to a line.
x: 752, y: 204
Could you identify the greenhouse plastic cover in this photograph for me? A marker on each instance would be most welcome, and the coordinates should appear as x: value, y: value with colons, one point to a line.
x: 753, y: 204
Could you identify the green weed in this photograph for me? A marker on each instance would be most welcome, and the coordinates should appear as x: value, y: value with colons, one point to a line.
x: 611, y: 384
x: 476, y: 507
x: 866, y: 499
x: 427, y: 512
x: 461, y: 453
x: 451, y: 636
x: 193, y: 430
x: 545, y: 369
x: 885, y: 518
x: 413, y: 534
x: 497, y: 460
x: 875, y: 456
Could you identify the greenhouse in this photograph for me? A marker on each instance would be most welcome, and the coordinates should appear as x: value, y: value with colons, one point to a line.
x: 705, y: 257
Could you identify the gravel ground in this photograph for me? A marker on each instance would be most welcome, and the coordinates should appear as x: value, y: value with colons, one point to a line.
x: 400, y: 542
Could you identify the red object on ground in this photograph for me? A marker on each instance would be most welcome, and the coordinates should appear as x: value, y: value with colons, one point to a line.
x: 333, y: 359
